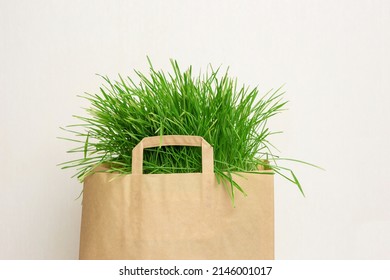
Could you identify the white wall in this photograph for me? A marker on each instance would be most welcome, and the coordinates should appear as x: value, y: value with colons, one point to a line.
x: 332, y: 55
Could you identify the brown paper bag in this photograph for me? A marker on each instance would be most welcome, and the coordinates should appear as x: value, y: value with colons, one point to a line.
x: 176, y: 216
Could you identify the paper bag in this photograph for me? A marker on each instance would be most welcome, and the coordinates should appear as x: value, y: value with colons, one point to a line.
x: 176, y: 216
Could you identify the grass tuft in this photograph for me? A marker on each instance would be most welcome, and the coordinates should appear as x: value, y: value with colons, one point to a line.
x: 232, y: 118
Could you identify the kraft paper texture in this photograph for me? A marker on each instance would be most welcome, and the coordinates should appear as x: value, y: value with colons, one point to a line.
x: 176, y: 216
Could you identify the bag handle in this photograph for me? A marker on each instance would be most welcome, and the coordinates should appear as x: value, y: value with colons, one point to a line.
x: 173, y: 140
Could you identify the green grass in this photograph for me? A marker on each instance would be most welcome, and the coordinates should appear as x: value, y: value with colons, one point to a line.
x: 232, y: 118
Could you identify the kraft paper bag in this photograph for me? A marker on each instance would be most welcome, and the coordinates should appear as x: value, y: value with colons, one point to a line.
x: 176, y: 216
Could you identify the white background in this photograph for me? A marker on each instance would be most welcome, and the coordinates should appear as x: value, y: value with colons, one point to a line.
x: 332, y: 55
